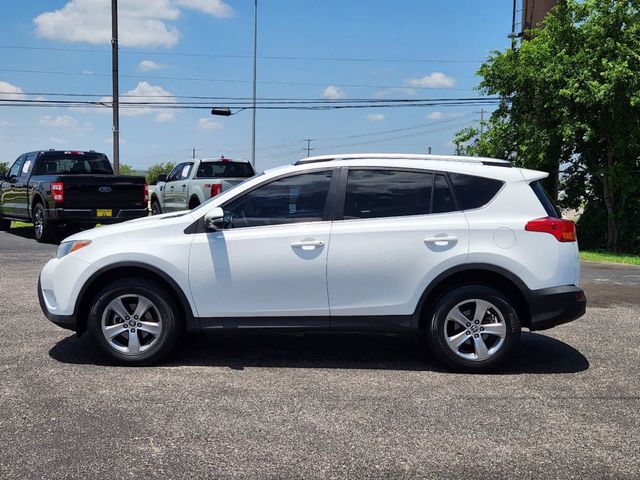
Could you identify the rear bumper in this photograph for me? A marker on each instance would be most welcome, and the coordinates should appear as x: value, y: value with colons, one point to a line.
x: 90, y: 217
x: 69, y: 322
x: 554, y: 306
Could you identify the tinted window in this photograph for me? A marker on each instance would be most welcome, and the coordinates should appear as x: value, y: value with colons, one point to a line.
x: 186, y: 170
x: 176, y: 172
x: 301, y: 198
x: 61, y: 163
x: 224, y: 169
x: 387, y: 193
x: 442, y: 197
x: 27, y: 166
x: 546, y: 202
x: 474, y: 192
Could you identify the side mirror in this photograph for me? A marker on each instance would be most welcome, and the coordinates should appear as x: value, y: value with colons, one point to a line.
x: 214, y: 219
x: 162, y: 178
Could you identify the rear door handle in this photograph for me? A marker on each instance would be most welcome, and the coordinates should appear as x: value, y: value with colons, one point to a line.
x: 441, y: 240
x: 307, y: 244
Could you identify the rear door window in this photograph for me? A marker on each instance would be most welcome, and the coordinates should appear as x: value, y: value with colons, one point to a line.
x: 387, y: 193
x: 474, y: 192
x: 442, y: 197
x: 27, y: 166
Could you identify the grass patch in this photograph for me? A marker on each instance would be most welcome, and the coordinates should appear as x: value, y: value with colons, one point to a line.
x: 15, y: 224
x: 608, y: 257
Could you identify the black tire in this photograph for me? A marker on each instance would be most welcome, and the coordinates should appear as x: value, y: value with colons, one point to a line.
x: 501, y: 315
x: 193, y: 203
x: 151, y: 348
x: 5, y: 225
x: 155, y: 207
x: 44, y: 230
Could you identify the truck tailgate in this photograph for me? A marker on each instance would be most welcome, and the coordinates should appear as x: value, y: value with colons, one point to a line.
x: 103, y: 191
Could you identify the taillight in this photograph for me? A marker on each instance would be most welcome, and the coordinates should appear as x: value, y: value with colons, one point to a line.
x: 146, y: 193
x: 216, y: 189
x: 57, y: 191
x: 563, y: 230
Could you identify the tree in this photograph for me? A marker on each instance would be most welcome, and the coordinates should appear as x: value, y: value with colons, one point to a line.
x: 4, y: 167
x: 127, y: 170
x: 571, y: 101
x: 157, y: 169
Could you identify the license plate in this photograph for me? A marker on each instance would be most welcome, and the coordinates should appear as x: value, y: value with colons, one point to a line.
x: 104, y: 213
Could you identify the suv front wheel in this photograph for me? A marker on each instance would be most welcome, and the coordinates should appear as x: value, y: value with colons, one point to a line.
x: 134, y: 321
x: 473, y: 328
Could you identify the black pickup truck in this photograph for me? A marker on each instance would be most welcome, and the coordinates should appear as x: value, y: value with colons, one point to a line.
x: 52, y: 187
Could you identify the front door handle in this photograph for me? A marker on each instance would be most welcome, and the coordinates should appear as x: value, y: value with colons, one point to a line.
x: 441, y: 241
x: 307, y: 244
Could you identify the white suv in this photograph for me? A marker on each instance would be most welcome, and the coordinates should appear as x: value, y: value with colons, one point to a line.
x: 462, y: 250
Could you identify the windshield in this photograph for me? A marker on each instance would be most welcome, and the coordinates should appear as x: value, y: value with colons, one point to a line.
x: 224, y: 169
x: 68, y: 163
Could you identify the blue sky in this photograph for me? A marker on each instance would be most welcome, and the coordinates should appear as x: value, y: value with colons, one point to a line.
x: 156, y: 35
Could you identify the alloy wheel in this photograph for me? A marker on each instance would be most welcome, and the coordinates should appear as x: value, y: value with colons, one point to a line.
x: 131, y: 324
x: 475, y: 329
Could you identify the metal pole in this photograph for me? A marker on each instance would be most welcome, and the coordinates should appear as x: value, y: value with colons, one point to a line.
x: 513, y: 27
x: 309, y: 140
x: 481, y: 123
x: 115, y: 94
x: 255, y: 53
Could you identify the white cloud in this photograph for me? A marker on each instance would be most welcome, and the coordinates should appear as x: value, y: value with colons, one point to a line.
x: 145, y: 92
x: 375, y: 117
x: 217, y: 8
x: 334, y: 93
x: 141, y: 23
x: 150, y: 65
x: 65, y: 122
x: 12, y: 92
x: 395, y: 92
x: 436, y: 115
x: 6, y: 123
x: 208, y: 124
x: 88, y: 72
x: 433, y: 80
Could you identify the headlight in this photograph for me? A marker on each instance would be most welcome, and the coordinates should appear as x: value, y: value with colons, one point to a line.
x: 66, y: 248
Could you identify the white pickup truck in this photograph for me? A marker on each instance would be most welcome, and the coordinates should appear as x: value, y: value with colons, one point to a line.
x: 195, y: 181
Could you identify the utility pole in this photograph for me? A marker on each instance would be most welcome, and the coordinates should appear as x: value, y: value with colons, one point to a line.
x: 255, y: 54
x: 115, y: 96
x: 308, y: 149
x: 194, y: 153
x: 481, y: 123
x: 429, y: 150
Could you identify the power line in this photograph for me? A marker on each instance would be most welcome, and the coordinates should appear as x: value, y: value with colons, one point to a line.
x: 228, y: 80
x: 241, y: 56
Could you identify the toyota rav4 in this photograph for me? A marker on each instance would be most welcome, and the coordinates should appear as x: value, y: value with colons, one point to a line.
x: 464, y: 251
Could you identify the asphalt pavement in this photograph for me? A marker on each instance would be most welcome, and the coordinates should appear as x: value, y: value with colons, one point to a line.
x: 318, y: 406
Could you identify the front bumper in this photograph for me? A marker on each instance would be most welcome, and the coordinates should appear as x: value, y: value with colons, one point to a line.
x: 69, y: 322
x: 90, y: 217
x: 554, y: 306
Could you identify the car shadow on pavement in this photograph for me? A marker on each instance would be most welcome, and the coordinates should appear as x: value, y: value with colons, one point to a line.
x: 538, y: 354
x: 27, y: 232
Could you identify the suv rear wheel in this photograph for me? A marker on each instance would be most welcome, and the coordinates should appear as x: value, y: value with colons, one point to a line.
x: 473, y: 328
x: 134, y: 321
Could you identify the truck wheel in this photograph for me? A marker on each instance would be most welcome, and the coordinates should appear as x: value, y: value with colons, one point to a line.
x: 44, y: 229
x: 155, y: 207
x: 193, y: 203
x: 473, y: 329
x: 4, y: 225
x: 135, y: 321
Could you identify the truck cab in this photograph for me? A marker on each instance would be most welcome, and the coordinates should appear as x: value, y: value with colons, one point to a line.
x: 195, y: 181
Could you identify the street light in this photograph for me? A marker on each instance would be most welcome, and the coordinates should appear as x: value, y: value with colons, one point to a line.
x: 221, y: 112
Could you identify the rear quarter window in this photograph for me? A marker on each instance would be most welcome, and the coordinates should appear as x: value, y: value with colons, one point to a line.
x: 474, y: 192
x: 544, y: 199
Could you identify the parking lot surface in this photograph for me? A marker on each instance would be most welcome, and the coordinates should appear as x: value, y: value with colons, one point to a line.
x: 317, y: 406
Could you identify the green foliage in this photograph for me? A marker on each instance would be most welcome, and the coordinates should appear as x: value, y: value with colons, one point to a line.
x: 127, y: 170
x: 4, y: 167
x: 157, y: 169
x: 571, y: 102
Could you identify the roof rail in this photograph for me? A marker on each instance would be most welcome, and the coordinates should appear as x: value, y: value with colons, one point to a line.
x: 405, y: 156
